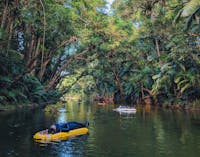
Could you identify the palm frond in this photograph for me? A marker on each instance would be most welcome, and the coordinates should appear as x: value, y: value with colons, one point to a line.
x: 191, y: 18
x: 190, y: 8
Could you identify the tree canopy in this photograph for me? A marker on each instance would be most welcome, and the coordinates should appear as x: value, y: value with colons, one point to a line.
x: 138, y: 49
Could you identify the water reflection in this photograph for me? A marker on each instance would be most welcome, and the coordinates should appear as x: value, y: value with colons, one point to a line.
x: 73, y: 147
x: 126, y: 115
x: 62, y: 117
x: 149, y: 132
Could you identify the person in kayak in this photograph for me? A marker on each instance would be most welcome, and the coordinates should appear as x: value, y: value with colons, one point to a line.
x: 65, y: 127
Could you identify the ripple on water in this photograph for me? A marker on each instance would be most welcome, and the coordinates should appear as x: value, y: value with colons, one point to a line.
x: 152, y: 134
x: 74, y: 146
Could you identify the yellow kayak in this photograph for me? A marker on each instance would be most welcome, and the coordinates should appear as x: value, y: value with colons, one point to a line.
x: 45, y: 136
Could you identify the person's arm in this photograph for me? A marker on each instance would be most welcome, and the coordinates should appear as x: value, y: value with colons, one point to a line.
x: 65, y: 128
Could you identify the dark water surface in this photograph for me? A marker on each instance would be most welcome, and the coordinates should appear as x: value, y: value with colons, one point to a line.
x: 148, y: 133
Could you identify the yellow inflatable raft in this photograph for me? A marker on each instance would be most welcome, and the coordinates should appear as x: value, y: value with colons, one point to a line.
x: 44, y: 136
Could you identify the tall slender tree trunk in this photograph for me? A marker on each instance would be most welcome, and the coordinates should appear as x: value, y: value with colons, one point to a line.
x: 3, y: 21
x: 28, y: 53
x: 118, y: 82
x: 58, y: 62
x: 10, y: 35
x: 43, y: 41
x: 43, y: 69
x: 158, y: 52
x: 35, y: 55
x: 4, y: 14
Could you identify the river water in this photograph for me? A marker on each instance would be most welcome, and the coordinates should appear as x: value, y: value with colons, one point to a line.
x: 147, y: 133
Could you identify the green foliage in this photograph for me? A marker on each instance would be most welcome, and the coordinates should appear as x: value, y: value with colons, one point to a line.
x: 29, y: 89
x: 141, y: 49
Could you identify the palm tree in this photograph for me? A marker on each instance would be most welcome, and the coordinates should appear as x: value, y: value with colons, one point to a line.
x: 191, y: 10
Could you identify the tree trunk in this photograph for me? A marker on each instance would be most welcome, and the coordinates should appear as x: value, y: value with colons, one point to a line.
x: 4, y: 15
x: 158, y: 51
x: 28, y: 53
x: 142, y: 91
x: 77, y: 79
x: 35, y: 55
x: 10, y: 35
x: 44, y: 31
x: 57, y: 74
x: 58, y: 62
x: 118, y: 82
x: 43, y: 69
x: 51, y: 54
x: 148, y: 98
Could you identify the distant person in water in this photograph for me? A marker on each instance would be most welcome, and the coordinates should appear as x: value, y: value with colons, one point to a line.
x: 65, y: 127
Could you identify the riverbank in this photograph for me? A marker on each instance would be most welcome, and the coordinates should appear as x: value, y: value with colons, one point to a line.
x: 53, y: 106
x: 190, y: 106
x: 12, y: 106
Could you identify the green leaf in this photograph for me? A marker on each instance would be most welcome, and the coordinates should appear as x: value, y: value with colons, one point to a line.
x: 177, y: 80
x: 5, y: 79
x: 181, y: 83
x: 12, y: 95
x: 182, y: 66
x: 156, y: 76
x: 2, y: 98
x: 186, y: 86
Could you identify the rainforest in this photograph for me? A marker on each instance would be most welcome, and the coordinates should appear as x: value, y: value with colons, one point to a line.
x: 127, y: 51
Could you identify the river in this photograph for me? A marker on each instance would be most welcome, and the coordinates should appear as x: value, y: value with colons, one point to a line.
x: 147, y: 133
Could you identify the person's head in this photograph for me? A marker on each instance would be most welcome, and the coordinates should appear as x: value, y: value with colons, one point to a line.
x: 52, y: 129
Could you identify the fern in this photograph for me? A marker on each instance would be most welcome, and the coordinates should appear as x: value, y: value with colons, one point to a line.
x: 12, y: 95
x: 2, y: 98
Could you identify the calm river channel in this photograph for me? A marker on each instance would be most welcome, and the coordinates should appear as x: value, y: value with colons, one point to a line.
x: 147, y: 133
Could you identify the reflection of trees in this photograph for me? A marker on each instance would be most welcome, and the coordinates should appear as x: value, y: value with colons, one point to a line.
x: 173, y: 133
x: 17, y: 129
x: 169, y: 131
x: 78, y: 111
x: 160, y: 135
x: 184, y: 121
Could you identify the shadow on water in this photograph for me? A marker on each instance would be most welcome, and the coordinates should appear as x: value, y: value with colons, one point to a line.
x: 148, y: 132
